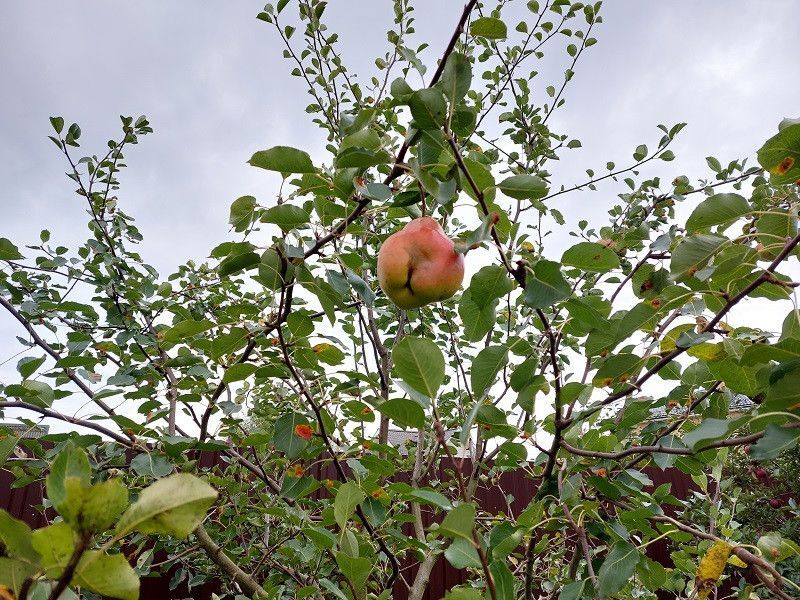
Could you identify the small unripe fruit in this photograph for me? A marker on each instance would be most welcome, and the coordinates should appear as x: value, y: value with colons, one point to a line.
x: 419, y: 265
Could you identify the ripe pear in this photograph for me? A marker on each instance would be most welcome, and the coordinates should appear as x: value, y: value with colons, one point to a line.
x: 419, y: 265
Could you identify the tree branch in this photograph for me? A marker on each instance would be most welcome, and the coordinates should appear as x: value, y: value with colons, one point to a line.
x: 230, y: 568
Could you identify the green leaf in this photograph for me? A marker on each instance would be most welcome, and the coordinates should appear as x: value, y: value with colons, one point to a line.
x: 710, y: 430
x: 328, y: 354
x: 488, y: 284
x: 404, y: 412
x: 590, y: 257
x: 361, y: 287
x: 784, y: 387
x: 785, y: 350
x: 463, y: 593
x: 429, y: 496
x: 174, y: 505
x: 718, y: 209
x: 503, y: 580
x: 286, y: 216
x: 242, y: 212
x: 480, y: 234
x: 108, y: 575
x: 8, y: 251
x: 93, y: 509
x: 55, y: 544
x: 572, y: 591
x: 420, y: 363
x: 356, y: 569
x: 102, y: 505
x: 400, y: 89
x: 360, y: 158
x: 694, y: 252
x: 149, y: 464
x: 583, y: 312
x: 456, y: 77
x: 461, y: 554
x: 348, y: 497
x: 617, y: 568
x: 271, y: 268
x: 546, y: 285
x: 71, y: 463
x: 524, y: 187
x: 283, y: 159
x: 780, y: 155
x: 239, y: 372
x: 13, y: 574
x: 186, y: 329
x: 428, y: 108
x: 477, y: 320
x: 15, y: 539
x: 485, y: 367
x: 285, y: 437
x: 505, y: 536
x: 489, y: 28
x: 40, y: 393
x: 791, y: 326
x: 773, y: 229
x: 775, y: 441
x: 57, y: 123
x: 27, y: 366
x: 617, y: 368
x: 459, y: 522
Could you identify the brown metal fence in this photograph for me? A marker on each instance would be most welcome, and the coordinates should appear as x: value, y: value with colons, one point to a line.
x: 25, y: 503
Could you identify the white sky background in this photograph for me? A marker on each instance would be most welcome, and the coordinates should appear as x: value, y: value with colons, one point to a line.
x: 213, y: 83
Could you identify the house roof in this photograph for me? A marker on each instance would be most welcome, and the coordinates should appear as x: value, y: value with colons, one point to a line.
x: 738, y: 403
x: 403, y: 440
x: 24, y: 431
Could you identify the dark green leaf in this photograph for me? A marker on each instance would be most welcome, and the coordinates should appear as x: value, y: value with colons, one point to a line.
x: 428, y: 108
x: 524, y: 187
x: 590, y: 257
x: 718, y: 209
x: 404, y: 412
x: 283, y: 159
x: 420, y: 363
x: 617, y: 568
x: 546, y: 285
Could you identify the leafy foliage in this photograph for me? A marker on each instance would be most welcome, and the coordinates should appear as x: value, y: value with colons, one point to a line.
x: 579, y: 367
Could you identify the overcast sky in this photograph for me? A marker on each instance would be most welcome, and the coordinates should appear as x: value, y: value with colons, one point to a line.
x: 213, y: 83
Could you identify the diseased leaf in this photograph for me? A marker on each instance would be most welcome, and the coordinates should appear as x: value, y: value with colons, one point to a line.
x: 590, y: 257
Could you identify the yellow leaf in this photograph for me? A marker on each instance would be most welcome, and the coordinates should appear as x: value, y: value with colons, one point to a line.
x: 711, y: 567
x: 737, y: 562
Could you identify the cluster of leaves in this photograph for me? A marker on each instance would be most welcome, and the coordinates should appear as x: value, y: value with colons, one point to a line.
x: 43, y: 563
x: 282, y: 354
